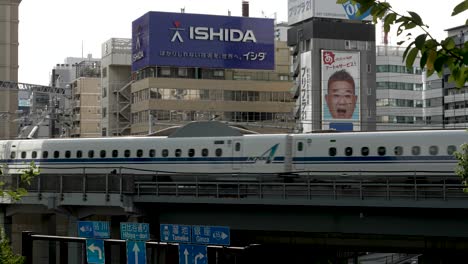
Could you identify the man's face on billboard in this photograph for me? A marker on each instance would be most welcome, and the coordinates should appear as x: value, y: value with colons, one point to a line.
x: 341, y: 99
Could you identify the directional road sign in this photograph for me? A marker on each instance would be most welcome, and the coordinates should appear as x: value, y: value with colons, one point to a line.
x: 93, y: 229
x: 211, y: 235
x: 175, y: 233
x: 192, y: 254
x: 134, y: 231
x: 95, y: 251
x: 136, y: 252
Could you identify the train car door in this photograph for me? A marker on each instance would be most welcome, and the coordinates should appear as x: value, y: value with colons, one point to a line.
x: 237, y: 150
x: 299, y: 154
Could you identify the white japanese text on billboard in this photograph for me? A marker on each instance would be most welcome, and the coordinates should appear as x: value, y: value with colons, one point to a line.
x: 306, y: 91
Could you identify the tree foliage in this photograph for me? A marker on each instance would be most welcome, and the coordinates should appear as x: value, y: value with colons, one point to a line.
x: 15, y: 193
x: 462, y: 166
x: 435, y: 54
x: 6, y: 254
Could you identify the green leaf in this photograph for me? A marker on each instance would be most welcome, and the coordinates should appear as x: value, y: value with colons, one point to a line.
x: 341, y: 1
x: 420, y: 40
x: 416, y: 18
x: 410, y: 25
x: 389, y: 19
x: 423, y: 61
x: 461, y: 7
x: 439, y: 63
x: 407, y: 49
x: 401, y: 42
x: 449, y: 43
x: 411, y: 57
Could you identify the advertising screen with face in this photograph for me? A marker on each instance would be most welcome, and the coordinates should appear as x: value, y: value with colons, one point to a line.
x: 340, y: 90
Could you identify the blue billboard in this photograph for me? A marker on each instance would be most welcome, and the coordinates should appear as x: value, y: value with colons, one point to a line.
x: 205, y: 41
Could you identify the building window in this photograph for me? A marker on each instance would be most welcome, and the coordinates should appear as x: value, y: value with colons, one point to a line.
x: 165, y: 71
x: 218, y: 73
x: 182, y: 72
x: 104, y: 112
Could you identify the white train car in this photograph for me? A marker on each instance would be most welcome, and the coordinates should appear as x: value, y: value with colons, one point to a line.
x: 403, y: 151
x: 281, y: 154
x: 149, y: 155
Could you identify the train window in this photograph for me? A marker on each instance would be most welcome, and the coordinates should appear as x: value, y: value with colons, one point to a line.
x: 416, y: 150
x: 152, y: 153
x: 433, y: 150
x: 45, y: 154
x: 191, y: 152
x: 398, y: 150
x: 102, y: 153
x: 218, y: 152
x: 139, y: 153
x: 364, y: 151
x: 205, y: 152
x: 56, y: 154
x: 348, y: 151
x: 79, y: 154
x: 381, y: 151
x: 238, y: 146
x: 91, y: 154
x: 23, y: 154
x: 13, y: 155
x: 127, y: 153
x: 34, y: 154
x: 332, y: 152
x: 178, y: 152
x: 67, y: 154
x: 165, y: 152
x: 115, y: 153
x: 300, y: 146
x: 451, y: 149
x: 219, y: 142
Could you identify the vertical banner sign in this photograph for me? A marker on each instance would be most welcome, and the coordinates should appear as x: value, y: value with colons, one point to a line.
x: 306, y: 92
x: 341, y: 84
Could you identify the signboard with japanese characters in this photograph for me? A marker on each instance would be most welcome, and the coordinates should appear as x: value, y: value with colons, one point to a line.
x: 306, y: 92
x: 341, y: 84
x: 194, y: 40
x: 300, y: 10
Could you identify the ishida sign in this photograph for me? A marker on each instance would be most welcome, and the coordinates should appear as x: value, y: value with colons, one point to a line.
x: 206, y: 41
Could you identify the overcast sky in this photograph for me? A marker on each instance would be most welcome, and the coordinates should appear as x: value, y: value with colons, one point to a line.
x: 51, y: 30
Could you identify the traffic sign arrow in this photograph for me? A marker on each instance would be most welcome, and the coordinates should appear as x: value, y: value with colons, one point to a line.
x: 93, y: 248
x: 186, y: 253
x: 136, y: 249
x: 199, y: 256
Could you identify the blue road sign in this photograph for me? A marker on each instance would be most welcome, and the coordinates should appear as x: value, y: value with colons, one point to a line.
x: 192, y: 254
x: 134, y: 231
x: 175, y: 233
x: 136, y: 252
x: 95, y: 251
x: 93, y: 229
x: 211, y: 235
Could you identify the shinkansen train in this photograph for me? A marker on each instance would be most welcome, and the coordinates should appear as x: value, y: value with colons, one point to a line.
x: 249, y: 154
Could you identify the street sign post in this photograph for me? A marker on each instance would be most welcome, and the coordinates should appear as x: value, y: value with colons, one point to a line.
x: 93, y: 229
x: 192, y: 254
x: 134, y: 231
x: 95, y: 251
x: 211, y: 235
x: 175, y: 233
x: 136, y: 252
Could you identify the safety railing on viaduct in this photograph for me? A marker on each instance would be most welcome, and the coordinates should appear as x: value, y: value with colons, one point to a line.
x: 334, y: 187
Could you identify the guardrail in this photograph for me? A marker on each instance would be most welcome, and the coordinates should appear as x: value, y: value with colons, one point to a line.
x: 307, y: 185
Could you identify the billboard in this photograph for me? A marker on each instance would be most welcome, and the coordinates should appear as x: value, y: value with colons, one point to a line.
x: 207, y: 41
x: 341, y: 82
x: 300, y: 10
x: 306, y: 92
